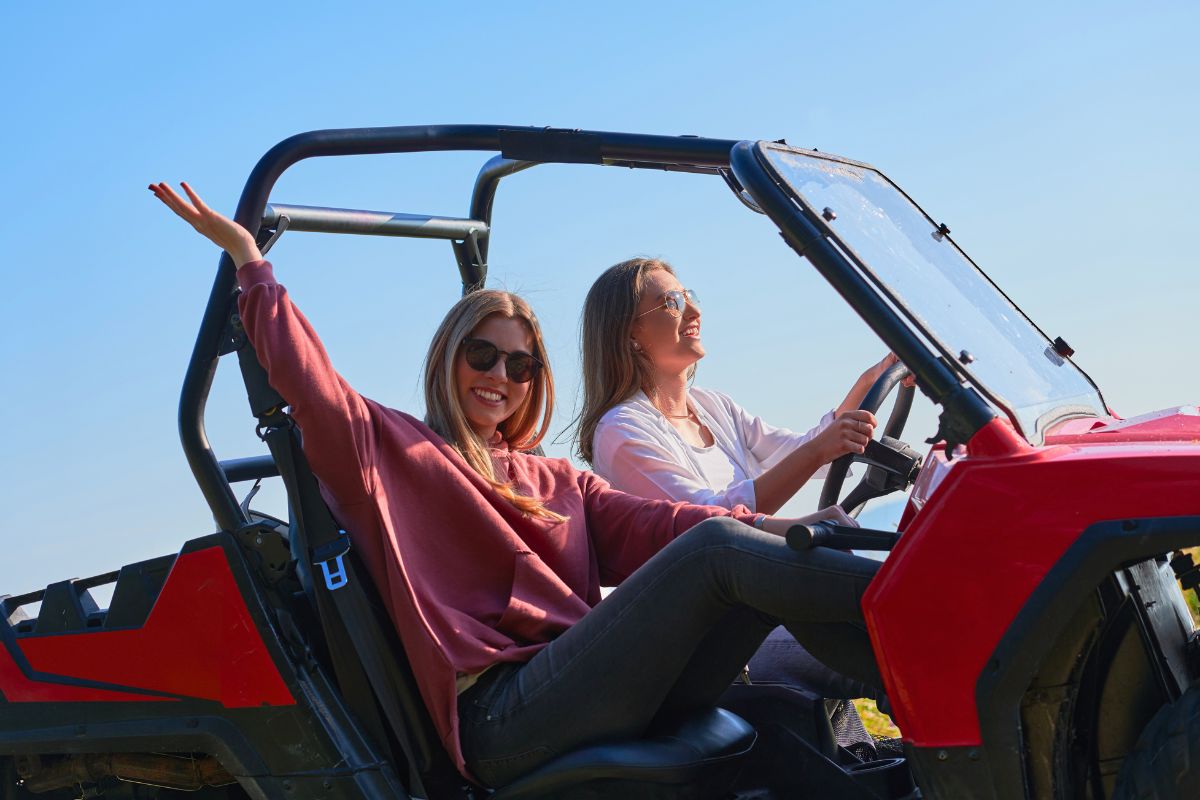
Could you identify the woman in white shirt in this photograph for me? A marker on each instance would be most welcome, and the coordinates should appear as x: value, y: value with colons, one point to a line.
x: 647, y: 431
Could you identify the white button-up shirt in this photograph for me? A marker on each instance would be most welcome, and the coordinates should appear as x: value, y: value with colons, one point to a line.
x: 638, y: 451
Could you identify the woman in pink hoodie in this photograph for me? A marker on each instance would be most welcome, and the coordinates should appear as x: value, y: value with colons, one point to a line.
x: 490, y: 559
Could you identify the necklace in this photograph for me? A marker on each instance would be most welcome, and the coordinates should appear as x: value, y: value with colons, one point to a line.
x: 688, y: 415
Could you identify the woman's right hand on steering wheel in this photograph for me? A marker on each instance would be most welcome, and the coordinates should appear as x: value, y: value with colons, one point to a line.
x: 217, y: 228
x: 849, y: 433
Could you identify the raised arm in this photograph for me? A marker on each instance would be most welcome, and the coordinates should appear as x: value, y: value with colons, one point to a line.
x: 333, y: 418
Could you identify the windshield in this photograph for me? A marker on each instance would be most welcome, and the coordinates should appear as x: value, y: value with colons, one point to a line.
x: 946, y: 297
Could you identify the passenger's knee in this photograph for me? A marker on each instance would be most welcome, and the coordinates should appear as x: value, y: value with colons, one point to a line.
x: 717, y: 530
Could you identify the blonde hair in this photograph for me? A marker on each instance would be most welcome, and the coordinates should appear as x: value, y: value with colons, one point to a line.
x: 613, y: 371
x: 525, y: 428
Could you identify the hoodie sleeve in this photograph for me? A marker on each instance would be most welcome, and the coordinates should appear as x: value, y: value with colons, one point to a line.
x: 334, y: 419
x: 627, y: 530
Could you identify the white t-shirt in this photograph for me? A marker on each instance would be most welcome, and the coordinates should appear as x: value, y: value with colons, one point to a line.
x: 638, y: 451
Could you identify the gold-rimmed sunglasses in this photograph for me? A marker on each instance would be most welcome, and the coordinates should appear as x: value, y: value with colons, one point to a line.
x: 675, y: 301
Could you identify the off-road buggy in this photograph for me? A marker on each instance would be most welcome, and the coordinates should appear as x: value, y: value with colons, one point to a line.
x: 1029, y: 622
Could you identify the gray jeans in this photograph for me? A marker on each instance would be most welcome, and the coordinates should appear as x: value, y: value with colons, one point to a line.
x: 670, y: 638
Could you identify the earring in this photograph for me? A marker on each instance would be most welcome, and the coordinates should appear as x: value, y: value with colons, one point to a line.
x: 636, y: 346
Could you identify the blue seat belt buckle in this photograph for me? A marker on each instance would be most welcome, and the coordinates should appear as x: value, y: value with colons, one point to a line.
x: 329, y: 557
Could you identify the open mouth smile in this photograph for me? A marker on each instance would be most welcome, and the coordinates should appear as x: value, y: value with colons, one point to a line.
x: 489, y: 397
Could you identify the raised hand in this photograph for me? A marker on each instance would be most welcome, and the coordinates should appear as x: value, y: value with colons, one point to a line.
x: 217, y: 228
x: 887, y: 362
x: 865, y: 381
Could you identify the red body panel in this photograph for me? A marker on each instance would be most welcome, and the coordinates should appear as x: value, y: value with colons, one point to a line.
x: 16, y: 688
x: 983, y: 530
x: 199, y: 641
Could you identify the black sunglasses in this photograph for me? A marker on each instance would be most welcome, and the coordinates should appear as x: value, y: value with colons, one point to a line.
x: 482, y: 355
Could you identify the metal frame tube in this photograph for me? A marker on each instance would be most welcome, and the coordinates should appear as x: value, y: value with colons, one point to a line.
x: 484, y: 194
x: 318, y: 219
x: 250, y: 468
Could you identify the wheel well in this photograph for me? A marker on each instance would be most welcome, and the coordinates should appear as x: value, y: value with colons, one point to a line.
x: 1091, y: 697
x: 1055, y: 635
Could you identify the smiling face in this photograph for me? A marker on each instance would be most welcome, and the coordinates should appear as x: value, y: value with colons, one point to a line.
x: 488, y: 398
x: 671, y: 342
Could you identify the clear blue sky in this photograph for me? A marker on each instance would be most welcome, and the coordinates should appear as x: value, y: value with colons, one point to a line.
x: 1056, y: 140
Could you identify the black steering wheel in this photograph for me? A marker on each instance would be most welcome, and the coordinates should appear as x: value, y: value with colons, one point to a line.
x: 891, y: 464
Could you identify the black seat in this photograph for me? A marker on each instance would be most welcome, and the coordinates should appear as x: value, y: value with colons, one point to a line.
x: 698, y: 756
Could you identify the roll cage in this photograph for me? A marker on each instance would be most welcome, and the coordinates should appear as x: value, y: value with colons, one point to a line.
x: 518, y: 148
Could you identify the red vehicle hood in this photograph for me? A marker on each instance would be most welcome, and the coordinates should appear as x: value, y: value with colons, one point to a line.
x: 1180, y: 424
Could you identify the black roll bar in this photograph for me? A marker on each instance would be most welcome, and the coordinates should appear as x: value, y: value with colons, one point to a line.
x: 500, y: 167
x: 518, y: 144
x: 482, y: 197
x: 251, y: 468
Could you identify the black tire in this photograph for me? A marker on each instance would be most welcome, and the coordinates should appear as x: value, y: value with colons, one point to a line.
x: 1165, y: 763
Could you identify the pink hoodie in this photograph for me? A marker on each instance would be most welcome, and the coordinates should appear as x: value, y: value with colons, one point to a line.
x: 468, y: 579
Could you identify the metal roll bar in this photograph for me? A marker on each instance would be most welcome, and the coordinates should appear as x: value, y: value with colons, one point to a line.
x: 370, y: 223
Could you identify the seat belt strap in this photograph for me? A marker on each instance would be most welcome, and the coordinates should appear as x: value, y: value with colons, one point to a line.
x: 328, y: 547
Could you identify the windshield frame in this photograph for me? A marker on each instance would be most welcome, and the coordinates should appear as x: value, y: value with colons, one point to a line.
x: 800, y: 210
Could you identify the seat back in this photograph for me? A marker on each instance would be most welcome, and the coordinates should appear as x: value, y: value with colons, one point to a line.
x: 361, y: 645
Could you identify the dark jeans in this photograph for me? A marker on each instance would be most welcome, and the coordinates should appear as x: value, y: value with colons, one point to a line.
x: 781, y: 659
x: 670, y: 638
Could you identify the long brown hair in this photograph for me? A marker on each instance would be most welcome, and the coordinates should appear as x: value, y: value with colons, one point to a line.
x: 444, y: 413
x: 613, y: 371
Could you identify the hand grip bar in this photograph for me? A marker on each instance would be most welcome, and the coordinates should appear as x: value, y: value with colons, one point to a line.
x: 839, y: 537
